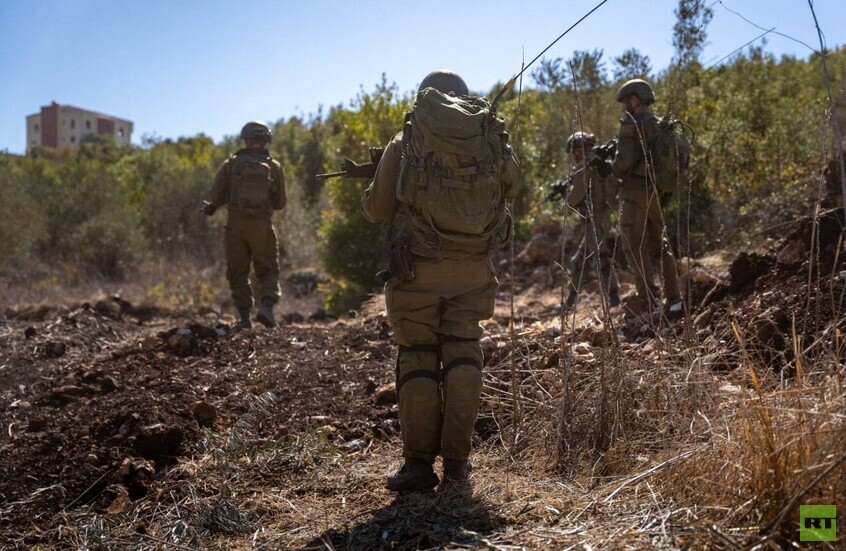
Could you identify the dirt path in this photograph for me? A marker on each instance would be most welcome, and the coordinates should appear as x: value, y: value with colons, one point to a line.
x: 160, y: 431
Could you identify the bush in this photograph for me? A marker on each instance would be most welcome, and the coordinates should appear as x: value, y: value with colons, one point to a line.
x: 21, y: 225
x: 111, y: 242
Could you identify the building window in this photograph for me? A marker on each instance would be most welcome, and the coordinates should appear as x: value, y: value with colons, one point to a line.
x: 120, y: 132
x: 73, y: 123
x: 35, y: 127
x: 73, y: 139
x: 88, y: 125
x: 34, y: 143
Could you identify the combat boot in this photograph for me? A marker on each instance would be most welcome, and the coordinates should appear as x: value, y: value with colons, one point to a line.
x: 674, y: 309
x: 613, y: 299
x: 457, y: 470
x: 244, y: 322
x: 568, y: 304
x: 265, y: 313
x: 415, y: 475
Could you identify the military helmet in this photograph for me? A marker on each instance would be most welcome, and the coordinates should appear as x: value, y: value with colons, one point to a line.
x: 640, y: 88
x: 580, y: 140
x: 445, y: 82
x: 256, y: 130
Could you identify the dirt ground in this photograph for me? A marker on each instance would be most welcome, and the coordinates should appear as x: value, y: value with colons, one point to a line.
x: 129, y: 426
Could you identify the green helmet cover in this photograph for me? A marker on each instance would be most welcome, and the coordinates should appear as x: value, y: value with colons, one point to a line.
x: 640, y: 88
x: 445, y: 82
x: 256, y: 130
x: 578, y: 140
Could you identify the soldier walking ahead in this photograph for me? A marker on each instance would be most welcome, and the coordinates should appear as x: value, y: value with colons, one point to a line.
x: 445, y: 180
x: 642, y: 217
x: 252, y: 185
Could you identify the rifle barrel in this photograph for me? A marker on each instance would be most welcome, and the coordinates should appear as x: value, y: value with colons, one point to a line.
x: 328, y: 175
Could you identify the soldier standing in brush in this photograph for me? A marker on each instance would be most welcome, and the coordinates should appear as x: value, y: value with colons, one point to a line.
x: 442, y: 183
x: 252, y: 185
x: 594, y: 195
x: 642, y: 218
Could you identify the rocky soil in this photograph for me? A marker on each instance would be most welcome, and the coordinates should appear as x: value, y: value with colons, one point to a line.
x: 127, y: 425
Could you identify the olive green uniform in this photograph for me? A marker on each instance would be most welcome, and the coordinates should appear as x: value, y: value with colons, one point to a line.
x: 596, y: 213
x: 250, y: 237
x: 642, y: 217
x: 435, y: 319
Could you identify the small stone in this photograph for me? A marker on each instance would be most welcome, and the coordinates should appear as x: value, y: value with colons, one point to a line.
x: 204, y: 413
x: 150, y: 342
x: 108, y: 384
x: 92, y: 459
x: 385, y: 395
x: 703, y: 320
x: 55, y: 349
x: 158, y: 440
x: 38, y: 424
x: 120, y: 503
x: 355, y: 445
x: 582, y: 349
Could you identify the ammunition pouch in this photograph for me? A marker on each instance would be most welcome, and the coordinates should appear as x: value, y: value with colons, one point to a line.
x: 400, y: 259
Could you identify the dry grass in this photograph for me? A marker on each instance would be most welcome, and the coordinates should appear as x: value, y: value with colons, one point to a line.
x: 674, y: 442
x: 696, y: 458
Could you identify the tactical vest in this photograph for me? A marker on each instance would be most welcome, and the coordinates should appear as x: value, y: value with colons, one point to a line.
x: 450, y: 190
x: 251, y: 174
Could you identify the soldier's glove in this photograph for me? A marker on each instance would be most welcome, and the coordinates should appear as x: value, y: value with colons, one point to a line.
x: 558, y: 189
x: 355, y: 170
x: 208, y: 208
x: 603, y: 166
x: 607, y: 150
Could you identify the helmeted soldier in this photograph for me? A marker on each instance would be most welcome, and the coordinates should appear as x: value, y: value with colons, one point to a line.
x: 594, y: 195
x: 445, y: 180
x: 642, y: 218
x: 252, y: 185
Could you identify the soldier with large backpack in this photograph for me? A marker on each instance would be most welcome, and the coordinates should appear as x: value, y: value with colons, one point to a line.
x: 252, y: 185
x: 442, y: 184
x: 652, y: 155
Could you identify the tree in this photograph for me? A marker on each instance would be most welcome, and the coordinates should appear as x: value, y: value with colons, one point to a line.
x: 690, y: 31
x: 550, y: 74
x: 631, y: 64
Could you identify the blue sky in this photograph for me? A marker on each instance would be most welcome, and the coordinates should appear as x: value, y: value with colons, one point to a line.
x: 178, y: 68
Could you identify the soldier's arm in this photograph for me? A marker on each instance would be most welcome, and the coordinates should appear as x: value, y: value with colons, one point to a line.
x: 378, y: 197
x: 512, y: 174
x: 281, y: 196
x: 628, y: 149
x: 577, y: 193
x: 220, y: 189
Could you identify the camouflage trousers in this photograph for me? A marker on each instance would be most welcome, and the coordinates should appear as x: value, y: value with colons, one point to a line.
x: 593, y: 255
x: 435, y: 319
x: 646, y: 246
x: 251, y: 242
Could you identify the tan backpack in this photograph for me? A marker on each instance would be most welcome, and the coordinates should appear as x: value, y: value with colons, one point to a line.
x: 451, y: 174
x: 251, y: 174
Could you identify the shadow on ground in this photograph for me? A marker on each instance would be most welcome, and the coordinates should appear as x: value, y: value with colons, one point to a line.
x: 451, y: 515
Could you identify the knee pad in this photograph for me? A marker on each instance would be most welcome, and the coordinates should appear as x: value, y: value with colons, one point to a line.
x: 419, y: 361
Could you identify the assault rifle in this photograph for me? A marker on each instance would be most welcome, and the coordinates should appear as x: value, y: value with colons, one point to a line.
x: 352, y: 169
x: 599, y: 157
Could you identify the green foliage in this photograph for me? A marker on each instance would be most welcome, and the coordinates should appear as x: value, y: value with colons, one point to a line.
x: 350, y: 246
x: 21, y: 224
x: 759, y: 122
